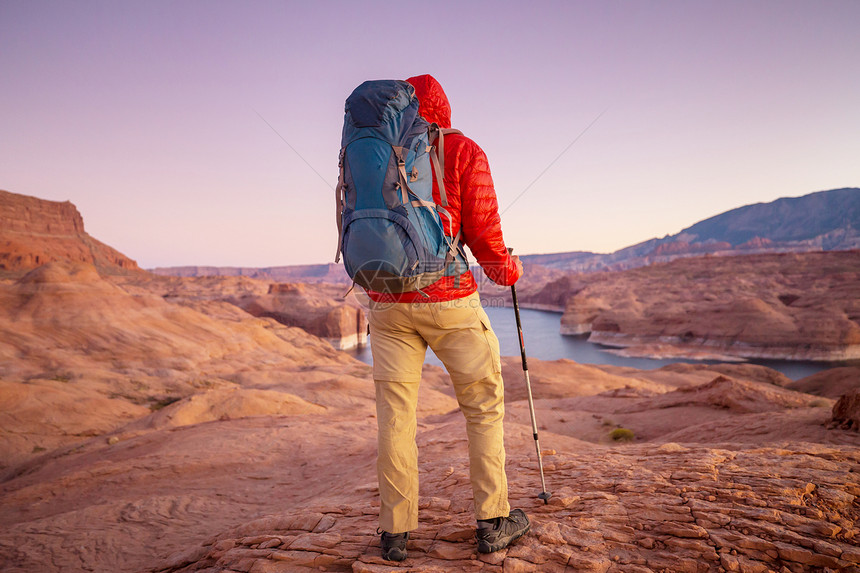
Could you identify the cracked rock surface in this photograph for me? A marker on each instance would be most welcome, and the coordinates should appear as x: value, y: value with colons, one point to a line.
x: 638, y: 508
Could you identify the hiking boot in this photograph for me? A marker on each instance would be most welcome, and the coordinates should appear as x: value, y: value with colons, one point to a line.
x: 394, y: 545
x: 500, y: 532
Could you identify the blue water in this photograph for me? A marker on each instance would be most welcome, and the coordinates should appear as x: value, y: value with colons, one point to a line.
x: 543, y: 341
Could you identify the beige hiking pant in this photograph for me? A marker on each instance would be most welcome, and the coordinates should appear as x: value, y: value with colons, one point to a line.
x: 459, y: 333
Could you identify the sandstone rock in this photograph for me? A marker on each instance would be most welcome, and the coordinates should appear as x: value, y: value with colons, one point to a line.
x: 34, y: 232
x: 540, y: 288
x: 313, y: 309
x: 735, y: 395
x: 729, y: 306
x: 637, y: 508
x: 746, y: 372
x: 228, y: 404
x: 80, y: 357
x: 846, y: 411
x: 830, y: 383
x: 673, y: 545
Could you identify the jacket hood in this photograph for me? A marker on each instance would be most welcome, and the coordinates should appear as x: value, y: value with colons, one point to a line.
x: 432, y: 102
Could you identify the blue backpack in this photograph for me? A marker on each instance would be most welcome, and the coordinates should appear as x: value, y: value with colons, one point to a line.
x: 389, y: 229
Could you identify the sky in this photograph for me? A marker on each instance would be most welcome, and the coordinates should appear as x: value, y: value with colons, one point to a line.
x: 207, y: 132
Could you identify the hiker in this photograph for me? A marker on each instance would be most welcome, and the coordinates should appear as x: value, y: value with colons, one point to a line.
x: 446, y: 315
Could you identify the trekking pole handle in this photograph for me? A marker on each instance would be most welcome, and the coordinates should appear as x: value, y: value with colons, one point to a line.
x: 519, y: 322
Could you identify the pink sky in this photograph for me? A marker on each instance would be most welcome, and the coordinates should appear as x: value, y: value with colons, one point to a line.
x: 145, y: 115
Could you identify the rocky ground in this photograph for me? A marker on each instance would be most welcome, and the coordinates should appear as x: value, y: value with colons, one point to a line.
x: 143, y: 433
x: 636, y: 508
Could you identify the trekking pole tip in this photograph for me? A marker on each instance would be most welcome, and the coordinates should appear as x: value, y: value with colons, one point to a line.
x: 545, y: 495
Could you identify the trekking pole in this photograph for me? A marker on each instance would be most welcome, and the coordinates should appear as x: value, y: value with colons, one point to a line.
x: 544, y: 494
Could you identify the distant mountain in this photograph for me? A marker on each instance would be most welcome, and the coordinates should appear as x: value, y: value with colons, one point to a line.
x: 790, y: 219
x: 822, y: 221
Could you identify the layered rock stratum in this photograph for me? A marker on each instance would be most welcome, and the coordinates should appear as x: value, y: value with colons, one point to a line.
x: 320, y: 309
x: 35, y: 231
x: 63, y: 326
x: 796, y: 306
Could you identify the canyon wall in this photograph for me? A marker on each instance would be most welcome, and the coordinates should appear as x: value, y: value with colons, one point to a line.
x: 34, y: 232
x: 799, y: 306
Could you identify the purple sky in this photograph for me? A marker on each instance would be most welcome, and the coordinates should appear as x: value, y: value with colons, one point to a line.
x: 145, y: 114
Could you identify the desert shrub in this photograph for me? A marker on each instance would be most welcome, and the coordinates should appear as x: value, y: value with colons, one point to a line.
x: 622, y: 435
x: 820, y: 403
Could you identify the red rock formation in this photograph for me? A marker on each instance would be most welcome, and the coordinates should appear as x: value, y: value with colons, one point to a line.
x: 317, y: 309
x: 185, y: 435
x: 684, y: 248
x: 846, y: 411
x: 536, y: 279
x: 730, y: 394
x: 35, y: 231
x: 830, y: 383
x: 80, y: 356
x: 801, y: 306
x: 756, y: 243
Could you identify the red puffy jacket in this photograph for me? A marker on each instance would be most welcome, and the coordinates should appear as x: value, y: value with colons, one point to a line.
x: 472, y: 203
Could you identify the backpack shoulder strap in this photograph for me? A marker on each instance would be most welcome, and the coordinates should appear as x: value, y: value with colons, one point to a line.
x: 339, y: 203
x: 437, y: 156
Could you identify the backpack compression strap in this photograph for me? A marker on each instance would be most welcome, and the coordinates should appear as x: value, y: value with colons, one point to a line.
x: 400, y: 154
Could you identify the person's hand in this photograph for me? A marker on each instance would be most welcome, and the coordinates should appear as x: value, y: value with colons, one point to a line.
x: 519, y: 264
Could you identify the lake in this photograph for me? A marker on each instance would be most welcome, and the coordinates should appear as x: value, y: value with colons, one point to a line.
x: 543, y: 341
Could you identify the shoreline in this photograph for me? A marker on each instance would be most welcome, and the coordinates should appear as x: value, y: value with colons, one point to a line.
x: 632, y: 345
